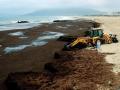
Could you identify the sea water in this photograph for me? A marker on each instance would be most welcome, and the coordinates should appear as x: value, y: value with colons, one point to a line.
x: 11, y: 23
x: 40, y: 41
x: 7, y: 23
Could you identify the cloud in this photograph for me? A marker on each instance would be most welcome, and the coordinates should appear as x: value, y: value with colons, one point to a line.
x: 32, y: 5
x: 97, y: 2
x: 49, y: 3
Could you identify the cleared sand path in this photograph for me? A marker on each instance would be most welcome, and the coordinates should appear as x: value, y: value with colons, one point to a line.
x: 111, y: 25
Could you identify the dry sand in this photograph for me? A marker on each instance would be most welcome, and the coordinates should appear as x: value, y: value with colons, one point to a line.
x: 111, y: 25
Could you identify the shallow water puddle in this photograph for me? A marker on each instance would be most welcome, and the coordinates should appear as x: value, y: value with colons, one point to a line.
x: 68, y: 25
x: 40, y: 41
x: 61, y: 27
x: 50, y: 35
x: 15, y: 49
x: 18, y: 34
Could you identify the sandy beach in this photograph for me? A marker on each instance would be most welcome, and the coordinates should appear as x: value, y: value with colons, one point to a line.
x: 111, y: 25
x: 34, y: 57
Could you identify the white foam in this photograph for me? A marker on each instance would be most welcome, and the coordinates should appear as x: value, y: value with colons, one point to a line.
x: 18, y: 26
x: 42, y: 40
x: 62, y: 27
x: 68, y: 25
x: 66, y: 17
x: 13, y: 21
x: 50, y: 35
x: 16, y: 34
x: 23, y: 37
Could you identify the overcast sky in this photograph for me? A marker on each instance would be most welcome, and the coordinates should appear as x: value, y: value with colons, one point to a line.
x: 26, y: 6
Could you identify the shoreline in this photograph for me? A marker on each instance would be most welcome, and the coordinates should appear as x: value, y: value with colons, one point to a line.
x: 111, y: 25
x: 34, y: 58
x: 51, y: 21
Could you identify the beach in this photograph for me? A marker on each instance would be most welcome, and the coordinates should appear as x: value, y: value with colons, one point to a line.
x: 35, y: 52
x: 111, y: 25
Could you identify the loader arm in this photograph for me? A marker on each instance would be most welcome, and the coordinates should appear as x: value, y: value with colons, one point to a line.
x: 78, y: 40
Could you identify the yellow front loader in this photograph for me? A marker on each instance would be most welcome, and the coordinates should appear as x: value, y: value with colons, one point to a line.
x: 90, y: 39
x: 82, y: 42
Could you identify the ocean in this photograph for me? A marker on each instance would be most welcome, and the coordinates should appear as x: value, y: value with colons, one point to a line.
x: 43, y: 39
x: 11, y: 23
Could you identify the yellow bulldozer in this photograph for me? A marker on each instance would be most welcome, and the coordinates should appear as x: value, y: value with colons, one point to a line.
x: 89, y: 39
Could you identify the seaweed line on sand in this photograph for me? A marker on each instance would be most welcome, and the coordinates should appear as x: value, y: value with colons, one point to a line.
x: 71, y: 70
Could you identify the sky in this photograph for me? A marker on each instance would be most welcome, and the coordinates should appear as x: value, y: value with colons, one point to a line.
x: 27, y: 6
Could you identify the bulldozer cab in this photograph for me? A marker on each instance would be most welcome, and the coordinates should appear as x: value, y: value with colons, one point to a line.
x: 94, y: 33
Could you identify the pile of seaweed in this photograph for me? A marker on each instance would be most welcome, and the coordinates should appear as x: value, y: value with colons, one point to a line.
x: 71, y: 70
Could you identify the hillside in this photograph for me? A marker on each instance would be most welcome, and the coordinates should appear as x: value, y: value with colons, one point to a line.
x: 65, y: 12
